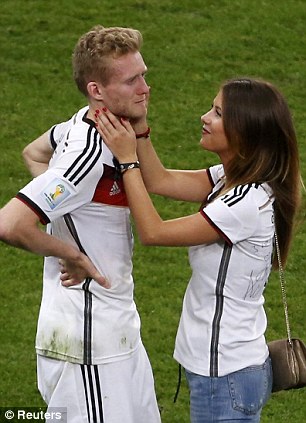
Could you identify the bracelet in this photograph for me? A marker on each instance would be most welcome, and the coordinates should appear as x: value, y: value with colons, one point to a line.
x: 126, y: 166
x: 145, y: 134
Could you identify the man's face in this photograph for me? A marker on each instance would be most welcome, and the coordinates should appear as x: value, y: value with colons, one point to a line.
x: 126, y: 92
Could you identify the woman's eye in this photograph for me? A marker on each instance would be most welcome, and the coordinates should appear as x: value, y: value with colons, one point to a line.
x: 218, y: 111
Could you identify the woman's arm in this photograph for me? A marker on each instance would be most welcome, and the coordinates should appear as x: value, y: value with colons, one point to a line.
x: 185, y: 185
x: 152, y: 230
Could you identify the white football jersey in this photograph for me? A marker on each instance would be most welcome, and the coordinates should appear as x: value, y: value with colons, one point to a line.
x: 223, y: 321
x: 82, y: 200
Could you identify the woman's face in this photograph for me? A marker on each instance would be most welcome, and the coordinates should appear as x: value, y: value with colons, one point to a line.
x: 213, y: 136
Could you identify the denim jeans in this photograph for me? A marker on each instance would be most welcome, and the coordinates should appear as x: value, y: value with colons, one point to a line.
x: 237, y: 397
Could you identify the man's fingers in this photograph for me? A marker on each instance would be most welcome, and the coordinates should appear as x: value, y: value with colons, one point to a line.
x: 64, y: 276
x: 102, y: 281
x: 70, y: 282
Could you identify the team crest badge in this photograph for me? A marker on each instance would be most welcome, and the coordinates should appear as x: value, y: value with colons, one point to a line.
x: 55, y: 193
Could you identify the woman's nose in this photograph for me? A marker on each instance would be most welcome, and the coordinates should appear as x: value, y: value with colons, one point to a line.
x: 205, y: 118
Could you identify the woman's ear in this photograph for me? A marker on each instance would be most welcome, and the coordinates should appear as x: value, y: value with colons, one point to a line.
x: 95, y: 90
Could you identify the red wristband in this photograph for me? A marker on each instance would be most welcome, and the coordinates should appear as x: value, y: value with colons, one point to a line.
x: 145, y: 134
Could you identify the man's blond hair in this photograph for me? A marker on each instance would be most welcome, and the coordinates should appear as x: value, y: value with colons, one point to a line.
x: 91, y: 54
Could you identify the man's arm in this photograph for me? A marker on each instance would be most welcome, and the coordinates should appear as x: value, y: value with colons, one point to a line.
x: 19, y: 227
x: 37, y: 155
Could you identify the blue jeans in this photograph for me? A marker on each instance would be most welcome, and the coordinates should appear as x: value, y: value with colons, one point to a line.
x: 237, y: 397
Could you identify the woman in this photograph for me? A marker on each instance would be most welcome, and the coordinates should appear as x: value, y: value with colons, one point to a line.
x: 252, y: 194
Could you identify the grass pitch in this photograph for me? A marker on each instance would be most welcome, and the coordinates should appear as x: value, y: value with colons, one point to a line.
x: 190, y: 47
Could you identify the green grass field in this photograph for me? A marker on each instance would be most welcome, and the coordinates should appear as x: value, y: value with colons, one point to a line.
x: 190, y: 47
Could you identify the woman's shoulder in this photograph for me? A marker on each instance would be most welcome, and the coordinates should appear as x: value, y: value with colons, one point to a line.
x: 253, y: 193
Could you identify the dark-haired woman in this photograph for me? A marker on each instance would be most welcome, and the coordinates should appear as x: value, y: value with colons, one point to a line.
x: 254, y: 192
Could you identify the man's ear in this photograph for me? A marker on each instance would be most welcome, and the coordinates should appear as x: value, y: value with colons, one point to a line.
x: 95, y: 90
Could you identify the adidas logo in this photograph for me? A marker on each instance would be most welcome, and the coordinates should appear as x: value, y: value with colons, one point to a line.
x: 115, y: 189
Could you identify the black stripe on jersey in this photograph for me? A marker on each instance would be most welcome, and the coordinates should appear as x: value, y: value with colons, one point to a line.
x: 37, y: 210
x: 87, y: 353
x: 74, y: 118
x: 210, y: 178
x: 219, y: 309
x: 73, y: 231
x: 91, y: 381
x: 239, y: 193
x: 52, y: 140
x: 87, y: 159
x: 98, y: 142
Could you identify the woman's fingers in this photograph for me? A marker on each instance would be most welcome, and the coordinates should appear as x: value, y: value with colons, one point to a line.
x: 110, y: 124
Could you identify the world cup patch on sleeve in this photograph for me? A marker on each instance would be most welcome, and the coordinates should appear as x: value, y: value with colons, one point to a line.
x: 55, y: 193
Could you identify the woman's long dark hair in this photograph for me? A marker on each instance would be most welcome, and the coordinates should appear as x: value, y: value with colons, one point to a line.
x: 259, y: 128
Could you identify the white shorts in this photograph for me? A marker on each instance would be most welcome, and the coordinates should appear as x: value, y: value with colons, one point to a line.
x: 122, y: 391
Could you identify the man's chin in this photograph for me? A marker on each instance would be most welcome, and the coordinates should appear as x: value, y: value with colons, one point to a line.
x: 138, y: 112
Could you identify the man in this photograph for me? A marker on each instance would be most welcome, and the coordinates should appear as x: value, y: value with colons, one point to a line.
x: 90, y: 356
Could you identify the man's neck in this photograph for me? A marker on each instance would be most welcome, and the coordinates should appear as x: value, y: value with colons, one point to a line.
x: 91, y: 113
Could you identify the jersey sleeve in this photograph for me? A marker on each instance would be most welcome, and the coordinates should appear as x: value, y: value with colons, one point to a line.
x: 235, y: 214
x: 58, y: 132
x: 215, y: 173
x: 71, y: 180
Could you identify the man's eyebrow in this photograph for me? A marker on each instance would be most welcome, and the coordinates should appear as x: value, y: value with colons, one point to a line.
x: 136, y: 75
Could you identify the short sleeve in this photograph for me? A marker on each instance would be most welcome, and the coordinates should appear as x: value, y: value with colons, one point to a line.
x: 215, y: 173
x: 58, y: 132
x: 235, y: 214
x: 71, y: 179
